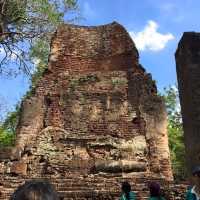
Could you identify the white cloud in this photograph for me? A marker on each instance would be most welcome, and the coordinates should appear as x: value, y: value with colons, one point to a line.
x: 150, y: 39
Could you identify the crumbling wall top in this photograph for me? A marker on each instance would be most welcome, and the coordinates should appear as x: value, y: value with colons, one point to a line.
x: 108, y: 46
x: 189, y: 43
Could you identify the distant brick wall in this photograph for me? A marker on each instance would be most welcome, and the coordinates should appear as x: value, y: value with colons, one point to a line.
x: 94, y: 120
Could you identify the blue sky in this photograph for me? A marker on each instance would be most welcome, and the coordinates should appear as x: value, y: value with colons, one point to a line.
x: 155, y: 25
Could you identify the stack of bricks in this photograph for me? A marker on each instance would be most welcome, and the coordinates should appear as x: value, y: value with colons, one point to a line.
x: 93, y: 120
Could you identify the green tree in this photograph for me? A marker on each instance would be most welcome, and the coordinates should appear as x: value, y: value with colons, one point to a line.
x: 8, y: 128
x: 25, y: 24
x: 11, y: 121
x: 39, y: 54
x: 175, y: 132
x: 6, y: 138
x: 26, y: 27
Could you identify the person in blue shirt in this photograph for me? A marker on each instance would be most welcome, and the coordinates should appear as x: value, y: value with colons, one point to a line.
x: 193, y: 192
x: 127, y: 194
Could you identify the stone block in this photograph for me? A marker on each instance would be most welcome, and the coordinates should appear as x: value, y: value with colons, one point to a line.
x: 19, y: 168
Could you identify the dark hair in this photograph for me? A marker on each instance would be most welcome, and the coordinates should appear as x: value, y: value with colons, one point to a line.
x: 35, y: 190
x: 154, y: 189
x: 126, y: 188
x: 196, y: 171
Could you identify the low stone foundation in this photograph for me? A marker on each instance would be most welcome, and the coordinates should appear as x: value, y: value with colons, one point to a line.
x: 95, y: 187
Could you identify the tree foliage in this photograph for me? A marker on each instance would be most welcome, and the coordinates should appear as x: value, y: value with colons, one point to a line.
x: 8, y: 128
x: 6, y: 138
x: 11, y: 121
x: 39, y: 54
x: 175, y: 131
x: 25, y: 24
x: 25, y: 31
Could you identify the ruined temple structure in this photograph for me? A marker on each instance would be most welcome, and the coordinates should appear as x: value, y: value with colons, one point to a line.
x: 188, y: 73
x: 93, y: 120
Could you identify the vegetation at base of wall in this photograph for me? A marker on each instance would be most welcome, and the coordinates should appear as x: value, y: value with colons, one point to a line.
x: 6, y: 138
x: 8, y: 128
x: 175, y: 132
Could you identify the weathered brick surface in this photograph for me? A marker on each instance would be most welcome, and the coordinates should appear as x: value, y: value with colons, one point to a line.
x: 188, y: 73
x: 94, y: 119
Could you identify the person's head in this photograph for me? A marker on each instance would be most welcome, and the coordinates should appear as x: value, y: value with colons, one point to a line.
x: 196, y: 176
x: 126, y: 187
x: 35, y: 190
x: 154, y: 189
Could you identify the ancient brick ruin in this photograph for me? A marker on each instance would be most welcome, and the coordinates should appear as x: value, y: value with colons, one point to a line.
x: 188, y: 73
x: 93, y: 120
